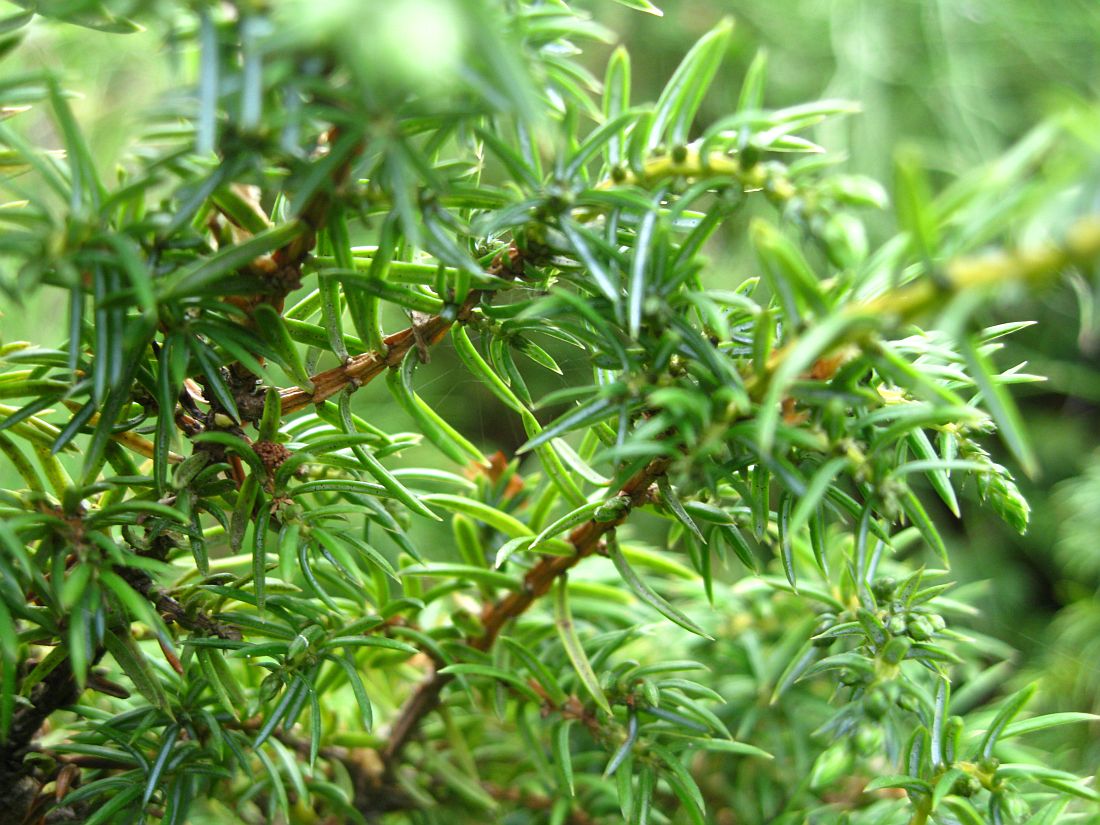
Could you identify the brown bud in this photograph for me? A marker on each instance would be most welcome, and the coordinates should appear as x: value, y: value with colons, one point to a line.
x: 271, y: 453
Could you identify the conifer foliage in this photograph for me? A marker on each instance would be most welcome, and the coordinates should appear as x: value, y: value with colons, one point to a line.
x: 709, y: 583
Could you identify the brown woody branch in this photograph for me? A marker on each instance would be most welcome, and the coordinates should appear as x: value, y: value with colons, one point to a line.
x: 283, y: 269
x: 360, y: 369
x: 282, y: 273
x: 172, y: 610
x: 586, y: 540
x: 19, y: 786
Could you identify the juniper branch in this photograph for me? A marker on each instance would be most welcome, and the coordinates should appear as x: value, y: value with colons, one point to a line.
x: 361, y: 369
x: 586, y: 540
x: 1030, y: 268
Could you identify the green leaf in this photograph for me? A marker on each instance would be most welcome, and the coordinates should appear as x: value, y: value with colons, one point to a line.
x: 906, y: 783
x: 79, y: 420
x: 567, y: 522
x: 366, y: 713
x: 290, y: 694
x: 1049, y: 814
x: 86, y: 190
x: 730, y: 746
x: 610, y: 130
x: 641, y: 5
x: 605, y: 280
x: 337, y: 550
x: 208, y: 362
x: 33, y: 157
x: 644, y: 592
x: 672, y: 501
x: 937, y: 476
x: 129, y: 657
x: 492, y: 578
x: 789, y: 274
x: 139, y: 506
x: 682, y: 96
x: 923, y: 522
x: 1012, y: 706
x: 574, y: 649
x: 497, y: 519
x: 516, y: 166
x: 1072, y: 786
x: 912, y: 195
x: 91, y: 14
x: 854, y: 661
x: 465, y: 787
x: 221, y: 679
x: 339, y: 485
x: 538, y: 670
x: 616, y: 99
x: 563, y: 757
x: 963, y: 810
x: 194, y: 279
x: 786, y: 539
x: 124, y: 798
x: 500, y: 356
x: 679, y: 775
x: 209, y: 61
x: 1000, y: 405
x: 815, y: 492
x: 752, y: 87
x: 938, y: 728
x: 945, y: 784
x: 410, y: 298
x: 369, y: 641
x: 374, y: 466
x: 259, y: 556
x: 170, y: 369
x: 516, y: 682
x: 794, y: 670
x: 168, y: 744
x: 643, y: 800
x: 251, y: 76
x: 799, y: 358
x: 596, y: 409
x: 469, y: 356
x: 626, y: 749
x: 1049, y: 720
x: 274, y: 330
x: 432, y: 425
x: 9, y: 658
x: 366, y: 313
x: 640, y: 268
x: 135, y: 604
x: 16, y: 21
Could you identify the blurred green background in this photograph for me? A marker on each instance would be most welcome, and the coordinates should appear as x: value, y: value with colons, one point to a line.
x: 959, y: 80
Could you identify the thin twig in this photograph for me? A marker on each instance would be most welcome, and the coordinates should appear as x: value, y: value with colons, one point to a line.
x: 360, y: 369
x: 19, y: 788
x: 172, y: 610
x: 586, y: 540
x: 1028, y: 267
